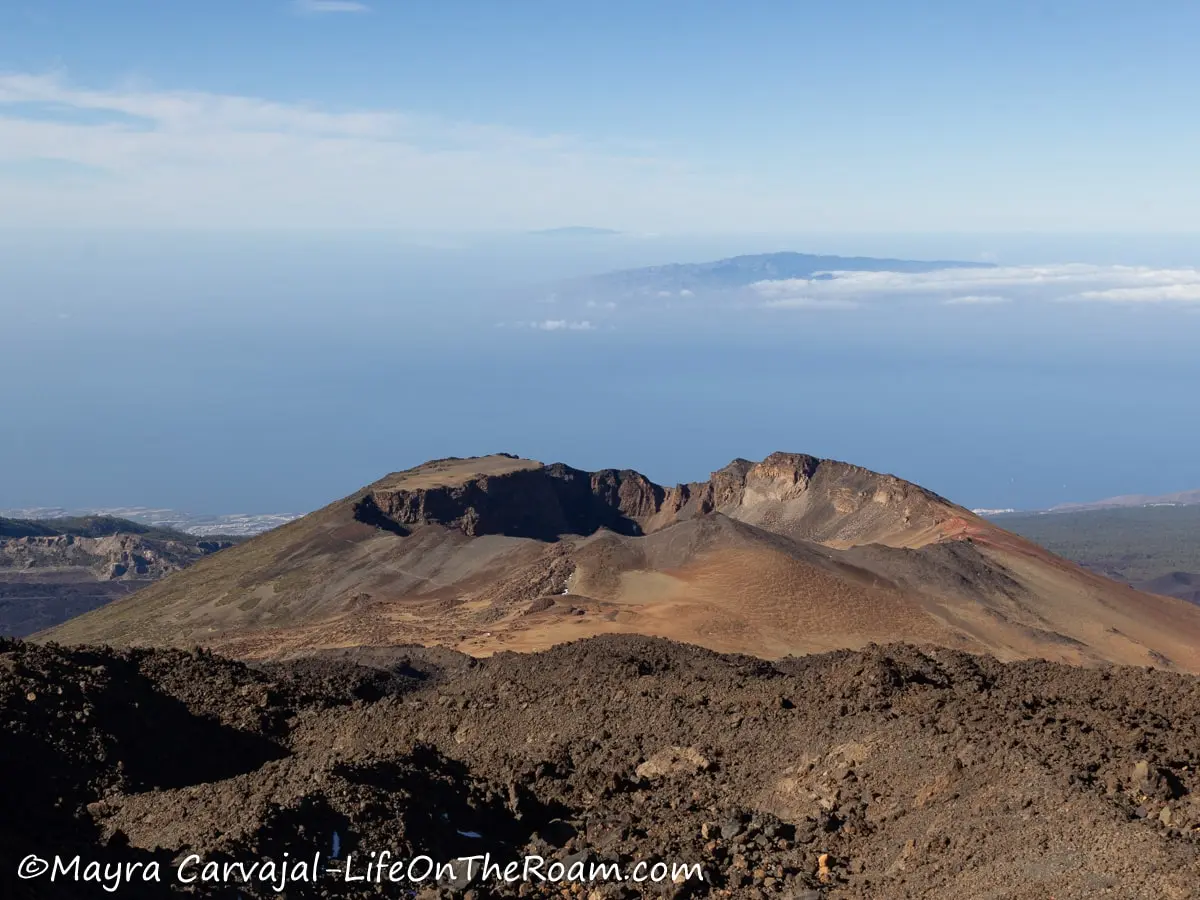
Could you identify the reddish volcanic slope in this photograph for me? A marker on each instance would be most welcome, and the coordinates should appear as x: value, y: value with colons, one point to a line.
x: 789, y: 555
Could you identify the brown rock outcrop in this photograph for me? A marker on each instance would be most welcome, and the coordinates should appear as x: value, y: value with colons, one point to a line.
x: 823, y: 500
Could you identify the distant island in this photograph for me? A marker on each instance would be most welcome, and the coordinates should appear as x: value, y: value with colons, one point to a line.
x: 575, y: 231
x: 742, y: 271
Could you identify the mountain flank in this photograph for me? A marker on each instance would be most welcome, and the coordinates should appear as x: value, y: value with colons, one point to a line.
x: 792, y: 554
x: 1154, y: 547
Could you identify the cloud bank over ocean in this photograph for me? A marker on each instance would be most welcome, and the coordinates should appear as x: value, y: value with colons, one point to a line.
x: 1075, y: 282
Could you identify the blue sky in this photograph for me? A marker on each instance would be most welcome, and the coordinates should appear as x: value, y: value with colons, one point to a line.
x: 671, y: 116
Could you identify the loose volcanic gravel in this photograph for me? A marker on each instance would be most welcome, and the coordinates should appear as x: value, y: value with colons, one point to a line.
x: 888, y: 773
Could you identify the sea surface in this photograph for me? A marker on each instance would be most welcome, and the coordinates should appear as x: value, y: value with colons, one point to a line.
x: 249, y: 374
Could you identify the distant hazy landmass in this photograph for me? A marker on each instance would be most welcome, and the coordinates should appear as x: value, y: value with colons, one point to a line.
x: 743, y: 271
x: 1124, y: 501
x: 1179, y: 498
x: 233, y: 524
x: 575, y: 231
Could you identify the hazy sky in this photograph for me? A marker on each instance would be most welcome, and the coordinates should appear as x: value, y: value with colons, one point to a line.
x: 256, y: 253
x: 663, y: 116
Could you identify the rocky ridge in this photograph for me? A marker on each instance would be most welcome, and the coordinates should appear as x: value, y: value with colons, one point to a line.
x: 111, y: 557
x: 545, y: 502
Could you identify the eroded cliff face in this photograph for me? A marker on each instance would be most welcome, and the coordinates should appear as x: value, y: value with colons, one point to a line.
x: 542, y: 503
x: 818, y: 498
x: 119, y: 556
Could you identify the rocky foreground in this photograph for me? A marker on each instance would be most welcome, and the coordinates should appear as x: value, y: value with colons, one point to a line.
x: 886, y: 773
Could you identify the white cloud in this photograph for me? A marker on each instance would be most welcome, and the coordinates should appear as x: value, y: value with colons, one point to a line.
x: 194, y: 158
x: 1167, y: 293
x: 330, y: 6
x: 205, y: 159
x: 686, y: 293
x: 562, y: 325
x: 1068, y: 281
x: 975, y: 300
x: 199, y: 159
